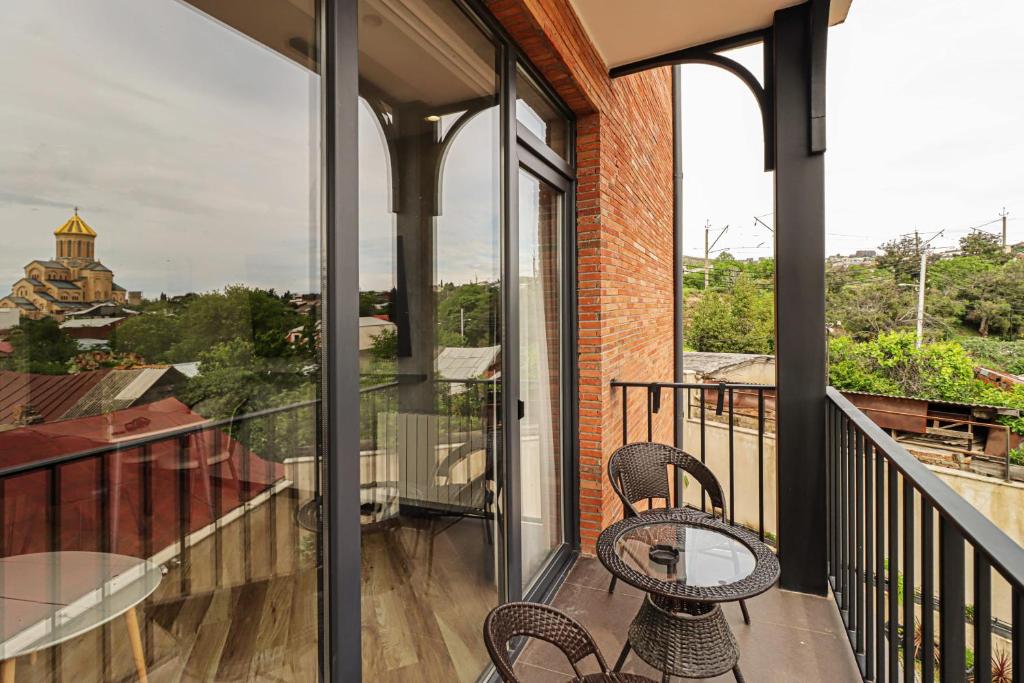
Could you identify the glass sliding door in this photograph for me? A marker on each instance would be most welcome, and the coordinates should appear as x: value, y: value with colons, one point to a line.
x: 430, y: 339
x: 160, y: 446
x: 541, y: 225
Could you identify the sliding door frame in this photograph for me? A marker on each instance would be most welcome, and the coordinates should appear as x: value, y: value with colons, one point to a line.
x: 340, y: 579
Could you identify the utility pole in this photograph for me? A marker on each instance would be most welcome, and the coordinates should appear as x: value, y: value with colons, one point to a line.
x: 708, y: 246
x: 1003, y: 215
x: 707, y: 252
x: 920, y: 298
x: 923, y: 249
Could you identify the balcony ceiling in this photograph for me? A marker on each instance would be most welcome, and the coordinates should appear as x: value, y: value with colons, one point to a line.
x: 626, y: 32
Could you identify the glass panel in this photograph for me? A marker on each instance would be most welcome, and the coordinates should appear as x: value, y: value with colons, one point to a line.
x: 540, y: 359
x: 159, y: 441
x: 430, y: 347
x: 535, y: 111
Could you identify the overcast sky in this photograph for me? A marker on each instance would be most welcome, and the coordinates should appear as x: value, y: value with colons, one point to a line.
x: 193, y: 151
x: 925, y: 130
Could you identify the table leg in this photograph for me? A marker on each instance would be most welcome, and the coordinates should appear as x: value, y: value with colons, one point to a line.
x: 132, y: 621
x: 622, y: 656
x: 7, y: 671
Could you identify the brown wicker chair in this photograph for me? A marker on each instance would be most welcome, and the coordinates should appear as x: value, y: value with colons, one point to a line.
x: 639, y: 471
x: 515, y: 619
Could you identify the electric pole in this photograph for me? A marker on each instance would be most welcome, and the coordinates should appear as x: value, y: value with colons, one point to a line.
x: 1003, y: 215
x: 708, y: 246
x: 923, y: 249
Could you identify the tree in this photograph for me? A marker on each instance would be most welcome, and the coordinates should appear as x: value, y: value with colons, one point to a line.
x: 150, y: 335
x: 234, y: 379
x: 40, y: 346
x: 901, y: 257
x: 238, y: 312
x: 869, y: 308
x: 471, y: 307
x: 741, y: 321
x: 983, y: 245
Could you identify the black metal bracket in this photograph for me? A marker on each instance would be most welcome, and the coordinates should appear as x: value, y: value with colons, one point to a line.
x: 709, y: 54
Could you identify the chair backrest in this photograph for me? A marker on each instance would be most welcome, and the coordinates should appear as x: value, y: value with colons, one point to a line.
x: 639, y: 471
x: 515, y: 619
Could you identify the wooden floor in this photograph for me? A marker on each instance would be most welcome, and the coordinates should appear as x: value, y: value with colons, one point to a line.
x: 792, y: 637
x: 427, y: 586
x: 241, y: 606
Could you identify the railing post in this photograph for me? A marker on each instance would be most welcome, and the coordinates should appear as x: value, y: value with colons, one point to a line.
x: 951, y: 607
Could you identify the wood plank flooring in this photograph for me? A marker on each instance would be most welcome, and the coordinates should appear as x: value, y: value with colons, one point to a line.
x: 242, y: 605
x: 426, y: 591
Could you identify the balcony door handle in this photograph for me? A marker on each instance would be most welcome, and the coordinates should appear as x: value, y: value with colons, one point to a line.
x: 520, y: 409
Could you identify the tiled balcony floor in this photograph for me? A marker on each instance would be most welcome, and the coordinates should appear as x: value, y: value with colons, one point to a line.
x: 792, y: 637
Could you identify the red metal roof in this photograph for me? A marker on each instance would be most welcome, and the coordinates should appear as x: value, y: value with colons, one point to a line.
x: 49, y: 395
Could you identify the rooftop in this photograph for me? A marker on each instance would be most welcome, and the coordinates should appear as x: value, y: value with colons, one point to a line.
x: 75, y: 226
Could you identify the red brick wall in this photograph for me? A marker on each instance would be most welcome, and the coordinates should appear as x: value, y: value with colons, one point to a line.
x: 624, y: 234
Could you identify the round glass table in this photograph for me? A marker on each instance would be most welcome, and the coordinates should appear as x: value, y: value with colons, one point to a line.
x: 687, y: 562
x: 49, y: 598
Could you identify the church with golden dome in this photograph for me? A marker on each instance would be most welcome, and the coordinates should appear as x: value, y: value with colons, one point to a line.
x: 72, y: 281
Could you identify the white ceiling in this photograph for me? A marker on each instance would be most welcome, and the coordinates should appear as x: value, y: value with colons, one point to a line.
x: 625, y: 32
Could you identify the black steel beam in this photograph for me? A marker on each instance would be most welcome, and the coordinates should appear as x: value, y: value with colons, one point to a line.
x: 340, y: 570
x: 678, y: 269
x: 687, y: 54
x: 799, y: 311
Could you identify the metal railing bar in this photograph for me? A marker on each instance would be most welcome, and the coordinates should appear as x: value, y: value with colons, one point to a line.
x: 953, y: 661
x: 1003, y: 553
x: 927, y: 590
x: 187, y: 430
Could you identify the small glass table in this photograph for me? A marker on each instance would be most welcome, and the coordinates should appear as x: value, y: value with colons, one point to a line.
x: 49, y: 598
x: 687, y: 562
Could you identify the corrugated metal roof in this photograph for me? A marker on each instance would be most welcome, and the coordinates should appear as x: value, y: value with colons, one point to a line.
x: 49, y: 395
x: 455, y: 362
x: 89, y: 322
x: 118, y: 390
x: 1005, y: 409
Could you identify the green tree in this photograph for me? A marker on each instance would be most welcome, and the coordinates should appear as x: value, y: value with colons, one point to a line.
x: 40, y: 346
x: 150, y: 335
x: 238, y: 312
x: 234, y: 379
x: 471, y: 307
x: 741, y: 321
x: 983, y: 245
x: 901, y: 257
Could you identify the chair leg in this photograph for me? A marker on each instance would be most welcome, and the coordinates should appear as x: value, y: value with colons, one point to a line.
x: 737, y: 674
x: 611, y: 584
x: 746, y: 614
x: 622, y: 657
x: 664, y: 678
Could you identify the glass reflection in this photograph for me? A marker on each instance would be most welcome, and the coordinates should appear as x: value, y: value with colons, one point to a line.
x: 160, y: 341
x: 430, y: 346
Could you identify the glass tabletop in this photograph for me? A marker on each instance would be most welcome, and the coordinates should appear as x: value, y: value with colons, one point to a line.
x: 48, y: 598
x: 690, y: 555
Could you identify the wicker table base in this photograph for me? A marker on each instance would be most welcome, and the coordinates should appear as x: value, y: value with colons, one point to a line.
x: 692, y: 640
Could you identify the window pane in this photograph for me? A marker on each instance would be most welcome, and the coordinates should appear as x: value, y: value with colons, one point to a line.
x: 162, y: 169
x: 540, y: 359
x: 535, y: 111
x: 429, y: 325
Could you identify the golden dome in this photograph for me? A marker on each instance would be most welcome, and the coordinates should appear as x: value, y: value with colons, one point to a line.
x: 75, y: 226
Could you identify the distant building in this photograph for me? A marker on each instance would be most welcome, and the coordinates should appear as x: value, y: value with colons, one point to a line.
x: 73, y: 280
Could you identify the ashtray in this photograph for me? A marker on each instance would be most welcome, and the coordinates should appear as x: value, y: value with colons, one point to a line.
x: 663, y: 554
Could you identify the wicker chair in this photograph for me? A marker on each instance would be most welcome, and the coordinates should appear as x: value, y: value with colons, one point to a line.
x: 639, y: 471
x: 515, y: 619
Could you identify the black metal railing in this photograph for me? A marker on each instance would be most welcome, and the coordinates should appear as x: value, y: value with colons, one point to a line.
x: 100, y: 478
x: 718, y: 405
x: 900, y: 543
